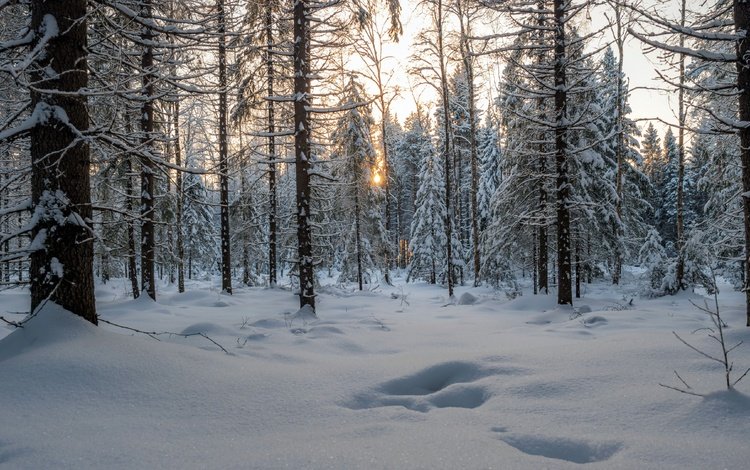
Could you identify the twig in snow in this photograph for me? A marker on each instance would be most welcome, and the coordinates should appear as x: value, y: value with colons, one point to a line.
x: 154, y: 334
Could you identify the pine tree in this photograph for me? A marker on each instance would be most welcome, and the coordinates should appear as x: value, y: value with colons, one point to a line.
x: 409, y: 151
x: 356, y: 155
x: 490, y: 161
x: 666, y: 211
x: 427, y: 239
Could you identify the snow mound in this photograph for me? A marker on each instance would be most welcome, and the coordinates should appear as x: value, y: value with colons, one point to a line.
x: 50, y: 326
x: 467, y: 299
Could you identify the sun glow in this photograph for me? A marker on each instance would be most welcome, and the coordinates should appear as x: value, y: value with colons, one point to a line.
x: 377, y: 179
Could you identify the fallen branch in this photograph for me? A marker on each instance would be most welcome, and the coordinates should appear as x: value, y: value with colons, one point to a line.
x: 155, y: 334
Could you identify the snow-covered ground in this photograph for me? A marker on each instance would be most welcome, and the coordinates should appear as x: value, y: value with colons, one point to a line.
x: 393, y: 379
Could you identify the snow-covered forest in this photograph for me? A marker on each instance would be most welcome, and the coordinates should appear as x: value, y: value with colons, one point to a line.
x: 374, y: 233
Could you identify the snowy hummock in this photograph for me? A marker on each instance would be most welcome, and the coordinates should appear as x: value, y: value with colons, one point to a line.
x: 401, y: 377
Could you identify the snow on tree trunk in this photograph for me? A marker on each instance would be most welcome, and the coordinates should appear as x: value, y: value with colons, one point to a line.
x: 62, y: 260
x: 226, y: 256
x: 742, y: 25
x: 564, y: 294
x: 148, y: 168
x: 302, y: 151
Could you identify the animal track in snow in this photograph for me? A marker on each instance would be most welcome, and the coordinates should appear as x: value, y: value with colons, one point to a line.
x: 446, y: 385
x: 561, y: 448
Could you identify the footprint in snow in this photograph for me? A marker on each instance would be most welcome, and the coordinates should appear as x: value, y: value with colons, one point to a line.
x: 560, y: 448
x: 446, y: 385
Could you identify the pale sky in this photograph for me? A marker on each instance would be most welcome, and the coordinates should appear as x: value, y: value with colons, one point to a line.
x: 639, y: 70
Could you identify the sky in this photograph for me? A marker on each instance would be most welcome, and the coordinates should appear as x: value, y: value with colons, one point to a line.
x: 646, y: 102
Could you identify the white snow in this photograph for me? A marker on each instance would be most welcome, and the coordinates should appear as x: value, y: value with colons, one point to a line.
x: 397, y: 377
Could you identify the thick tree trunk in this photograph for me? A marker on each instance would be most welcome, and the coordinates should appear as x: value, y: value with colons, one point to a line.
x: 564, y: 293
x: 148, y: 168
x: 226, y: 256
x: 62, y: 270
x: 742, y: 25
x: 302, y: 151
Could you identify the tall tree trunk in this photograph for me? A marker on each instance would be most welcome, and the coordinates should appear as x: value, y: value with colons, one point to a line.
x: 247, y: 199
x: 4, y: 228
x: 302, y: 154
x: 386, y: 180
x: 578, y: 263
x: 106, y: 267
x: 446, y: 150
x: 680, y: 269
x: 272, y: 200
x: 535, y: 265
x: 619, y: 148
x: 543, y: 258
x: 62, y: 270
x: 358, y: 233
x: 226, y: 256
x: 564, y: 293
x: 742, y: 26
x: 148, y: 281
x: 129, y: 207
x: 180, y: 199
x: 468, y: 60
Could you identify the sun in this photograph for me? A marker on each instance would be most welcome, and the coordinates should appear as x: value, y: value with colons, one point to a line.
x: 377, y: 179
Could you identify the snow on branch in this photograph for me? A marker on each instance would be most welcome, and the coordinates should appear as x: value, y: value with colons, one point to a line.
x: 695, y: 53
x: 41, y: 114
x: 49, y: 30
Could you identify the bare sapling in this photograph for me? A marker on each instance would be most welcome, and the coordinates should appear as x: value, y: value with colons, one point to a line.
x: 717, y: 334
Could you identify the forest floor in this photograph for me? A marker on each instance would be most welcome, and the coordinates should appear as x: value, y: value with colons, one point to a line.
x: 393, y: 378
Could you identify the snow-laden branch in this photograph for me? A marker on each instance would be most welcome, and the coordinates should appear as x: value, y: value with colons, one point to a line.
x: 49, y: 30
x: 695, y: 53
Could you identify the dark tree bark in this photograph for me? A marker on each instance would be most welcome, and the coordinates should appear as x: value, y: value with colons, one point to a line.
x: 302, y: 151
x: 180, y: 195
x: 62, y: 271
x: 272, y: 201
x: 543, y: 258
x: 564, y: 282
x: 131, y: 197
x: 226, y: 255
x: 578, y: 264
x: 619, y: 151
x: 680, y: 268
x: 468, y: 63
x: 742, y: 26
x: 446, y: 150
x: 358, y: 234
x: 148, y: 168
